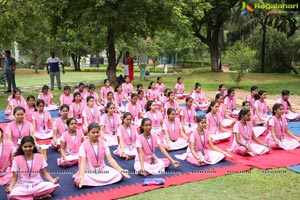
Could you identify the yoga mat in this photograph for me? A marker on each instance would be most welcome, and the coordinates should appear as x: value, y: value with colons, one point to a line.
x: 126, y: 187
x: 295, y: 168
x: 3, y: 117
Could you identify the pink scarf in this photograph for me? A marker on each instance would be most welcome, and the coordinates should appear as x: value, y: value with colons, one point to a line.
x: 189, y: 117
x: 90, y: 116
x: 285, y: 105
x: 201, y: 145
x: 148, y: 148
x: 129, y: 140
x: 279, y: 128
x: 114, y: 125
x: 19, y: 133
x: 231, y: 104
x: 155, y: 121
x: 134, y: 111
x: 5, y: 155
x: 77, y: 109
x: 179, y: 88
x: 95, y: 158
x: 61, y: 127
x: 222, y: 109
x: 74, y: 145
x: 262, y: 106
x: 245, y: 134
x: 174, y: 131
x: 213, y: 122
x: 42, y: 122
x: 37, y: 161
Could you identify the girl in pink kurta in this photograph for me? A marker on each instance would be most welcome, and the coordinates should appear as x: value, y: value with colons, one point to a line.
x: 222, y: 90
x: 261, y: 107
x: 76, y: 109
x: 30, y: 108
x: 135, y: 109
x: 146, y: 162
x: 92, y: 170
x: 171, y: 103
x: 188, y: 116
x: 69, y: 144
x: 91, y: 92
x: 120, y: 97
x: 142, y: 101
x: 127, y: 87
x: 66, y: 97
x: 179, y: 88
x: 279, y: 135
x: 289, y: 112
x: 109, y: 124
x: 257, y: 128
x: 244, y: 141
x: 60, y: 126
x: 42, y: 122
x: 27, y: 167
x: 17, y: 100
x: 251, y: 98
x: 82, y: 91
x: 201, y: 150
x: 153, y: 95
x: 160, y: 87
x: 155, y: 117
x: 111, y: 98
x: 6, y: 156
x: 174, y: 137
x: 47, y: 97
x: 198, y: 95
x: 19, y: 128
x: 227, y: 121
x: 90, y: 113
x: 215, y: 129
x: 127, y: 135
x: 230, y: 102
x: 104, y: 90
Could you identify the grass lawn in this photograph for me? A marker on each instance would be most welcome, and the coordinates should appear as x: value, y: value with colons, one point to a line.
x: 254, y: 185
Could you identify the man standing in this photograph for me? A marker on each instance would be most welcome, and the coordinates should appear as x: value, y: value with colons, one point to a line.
x: 54, y: 62
x: 9, y: 70
x: 130, y: 66
x: 125, y: 64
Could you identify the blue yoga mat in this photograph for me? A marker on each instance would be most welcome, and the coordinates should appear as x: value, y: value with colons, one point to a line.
x: 67, y: 187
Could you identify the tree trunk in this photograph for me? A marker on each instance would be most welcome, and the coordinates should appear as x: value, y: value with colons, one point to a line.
x: 111, y: 68
x: 263, y: 47
x: 76, y: 61
x: 35, y: 62
x: 214, y: 56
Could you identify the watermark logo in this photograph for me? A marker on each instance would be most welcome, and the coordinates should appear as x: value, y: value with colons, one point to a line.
x: 246, y: 8
x: 272, y: 8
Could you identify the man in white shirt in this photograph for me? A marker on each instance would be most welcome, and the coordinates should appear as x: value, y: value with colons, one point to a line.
x: 54, y: 62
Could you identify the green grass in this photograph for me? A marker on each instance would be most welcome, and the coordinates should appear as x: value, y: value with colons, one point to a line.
x: 257, y: 184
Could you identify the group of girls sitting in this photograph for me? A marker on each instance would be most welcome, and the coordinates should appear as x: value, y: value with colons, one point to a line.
x: 137, y: 124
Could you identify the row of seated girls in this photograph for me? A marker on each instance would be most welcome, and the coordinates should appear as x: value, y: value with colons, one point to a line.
x: 83, y: 133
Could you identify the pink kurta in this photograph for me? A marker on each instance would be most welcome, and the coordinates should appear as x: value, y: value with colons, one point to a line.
x: 201, y: 145
x: 14, y: 103
x: 18, y: 132
x: 42, y: 125
x: 200, y: 99
x: 285, y: 141
x: 262, y: 110
x: 152, y: 95
x: 82, y: 94
x: 66, y: 99
x: 160, y: 88
x: 287, y: 112
x: 231, y: 106
x: 61, y: 127
x: 152, y: 164
x: 127, y: 89
x: 97, y: 173
x: 252, y: 102
x: 72, y: 148
x: 46, y: 97
x: 156, y: 119
x: 213, y: 122
x: 246, y: 138
x: 110, y: 128
x: 173, y: 129
x: 30, y: 185
x: 129, y: 135
x: 29, y: 112
x: 142, y: 103
x: 189, y: 119
x: 77, y: 111
x: 104, y: 90
x: 6, y: 152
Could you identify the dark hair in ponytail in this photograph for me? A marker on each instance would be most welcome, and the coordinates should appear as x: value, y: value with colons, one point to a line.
x: 245, y: 102
x: 229, y: 91
x: 76, y: 94
x: 108, y: 105
x: 188, y: 99
x: 212, y: 104
x: 242, y: 113
x: 220, y: 86
x: 286, y: 92
x: 149, y: 87
x: 200, y: 118
x: 148, y: 105
x: 276, y: 107
x: 218, y: 96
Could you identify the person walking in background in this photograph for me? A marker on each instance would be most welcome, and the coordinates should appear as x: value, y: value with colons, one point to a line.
x: 54, y: 62
x: 125, y: 64
x: 9, y: 70
x: 130, y: 62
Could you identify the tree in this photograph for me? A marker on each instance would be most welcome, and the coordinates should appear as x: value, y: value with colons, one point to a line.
x: 208, y: 27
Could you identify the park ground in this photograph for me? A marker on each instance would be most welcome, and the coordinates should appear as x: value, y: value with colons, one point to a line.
x: 256, y: 184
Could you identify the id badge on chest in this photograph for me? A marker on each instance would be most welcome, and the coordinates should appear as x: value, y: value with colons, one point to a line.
x: 29, y: 186
x: 190, y: 125
x: 152, y: 160
x: 19, y: 141
x: 114, y: 132
x: 130, y: 147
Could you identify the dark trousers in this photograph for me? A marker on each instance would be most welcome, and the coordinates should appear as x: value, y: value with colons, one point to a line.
x: 10, y: 79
